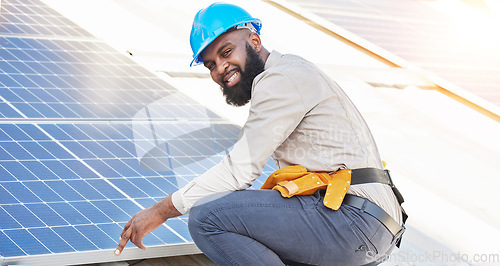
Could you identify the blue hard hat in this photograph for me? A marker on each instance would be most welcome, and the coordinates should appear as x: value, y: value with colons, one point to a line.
x: 214, y: 20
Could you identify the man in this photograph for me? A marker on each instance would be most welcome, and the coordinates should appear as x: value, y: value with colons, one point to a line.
x: 300, y: 117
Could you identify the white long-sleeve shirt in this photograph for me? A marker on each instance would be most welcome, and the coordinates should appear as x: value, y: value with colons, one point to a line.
x: 298, y: 116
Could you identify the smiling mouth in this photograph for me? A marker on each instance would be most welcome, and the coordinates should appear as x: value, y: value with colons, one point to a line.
x: 231, y: 76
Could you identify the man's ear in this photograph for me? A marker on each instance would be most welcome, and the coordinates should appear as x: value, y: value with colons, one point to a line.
x: 254, y: 39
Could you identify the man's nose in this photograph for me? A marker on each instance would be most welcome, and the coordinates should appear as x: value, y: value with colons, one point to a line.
x: 222, y: 66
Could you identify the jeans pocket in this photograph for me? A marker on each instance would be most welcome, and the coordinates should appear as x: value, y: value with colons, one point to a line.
x: 366, y: 245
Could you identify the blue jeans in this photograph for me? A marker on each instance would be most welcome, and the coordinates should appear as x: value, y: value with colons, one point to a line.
x: 260, y: 227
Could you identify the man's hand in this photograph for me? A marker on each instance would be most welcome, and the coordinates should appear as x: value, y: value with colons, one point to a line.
x: 145, y: 221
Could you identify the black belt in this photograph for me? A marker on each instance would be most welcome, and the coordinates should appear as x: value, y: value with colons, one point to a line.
x: 378, y: 213
x: 375, y: 175
x: 370, y: 175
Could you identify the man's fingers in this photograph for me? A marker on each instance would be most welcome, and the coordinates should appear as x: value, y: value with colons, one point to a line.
x: 137, y: 240
x: 124, y: 237
x: 125, y: 228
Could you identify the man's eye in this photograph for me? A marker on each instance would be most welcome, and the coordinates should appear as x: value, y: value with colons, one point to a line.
x: 226, y: 53
x: 210, y: 66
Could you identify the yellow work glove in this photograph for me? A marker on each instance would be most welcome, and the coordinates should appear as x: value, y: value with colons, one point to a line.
x: 284, y: 174
x: 296, y: 180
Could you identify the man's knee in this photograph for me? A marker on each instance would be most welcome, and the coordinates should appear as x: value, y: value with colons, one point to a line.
x: 201, y: 212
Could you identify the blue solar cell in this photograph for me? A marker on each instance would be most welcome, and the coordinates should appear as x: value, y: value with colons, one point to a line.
x: 43, y: 191
x: 111, y: 210
x: 36, y: 55
x: 4, y: 174
x: 61, y: 95
x: 56, y: 150
x: 57, y: 81
x: 167, y: 236
x: 150, y: 239
x: 20, y: 55
x: 78, y: 167
x: 4, y: 155
x: 64, y: 110
x: 7, y: 55
x: 127, y: 145
x: 37, y: 150
x: 46, y: 110
x: 96, y: 149
x: 105, y: 189
x: 40, y: 170
x: 7, y: 112
x: 22, y: 43
x: 88, y: 210
x: 65, y: 191
x: 17, y: 170
x: 23, y: 216
x: 18, y: 67
x: 74, y: 132
x: 56, y: 132
x: 146, y: 186
x: 127, y: 206
x: 130, y: 189
x: 124, y: 169
x: 46, y: 214
x: 179, y: 225
x: 68, y: 213
x: 26, y: 241
x: 163, y: 184
x: 145, y: 171
x: 20, y: 192
x: 4, y: 136
x: 146, y: 202
x: 8, y: 248
x: 9, y: 95
x: 33, y: 132
x: 84, y: 189
x: 51, y: 240
x: 97, y: 236
x: 92, y: 131
x: 60, y: 170
x: 7, y: 222
x: 28, y: 110
x: 43, y: 94
x: 8, y: 67
x: 74, y: 238
x: 16, y: 151
x: 6, y: 197
x: 40, y: 80
x: 103, y: 169
x: 14, y: 132
x: 117, y: 150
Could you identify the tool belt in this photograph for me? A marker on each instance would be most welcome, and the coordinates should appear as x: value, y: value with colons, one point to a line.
x: 296, y: 180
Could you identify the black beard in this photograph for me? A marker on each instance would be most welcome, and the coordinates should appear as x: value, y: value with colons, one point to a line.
x: 240, y: 94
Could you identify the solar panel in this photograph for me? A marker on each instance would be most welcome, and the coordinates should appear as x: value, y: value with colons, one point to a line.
x: 424, y: 36
x: 87, y: 139
x: 32, y: 17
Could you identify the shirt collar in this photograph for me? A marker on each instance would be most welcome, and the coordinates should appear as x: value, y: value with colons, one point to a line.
x: 272, y: 59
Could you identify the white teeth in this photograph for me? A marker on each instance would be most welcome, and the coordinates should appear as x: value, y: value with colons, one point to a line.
x: 232, y: 77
